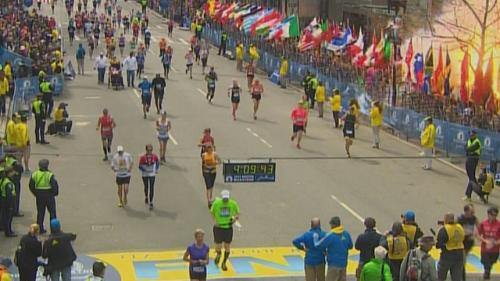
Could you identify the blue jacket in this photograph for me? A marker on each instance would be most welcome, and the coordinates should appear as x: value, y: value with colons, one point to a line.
x: 80, y: 53
x: 337, y: 244
x: 314, y: 256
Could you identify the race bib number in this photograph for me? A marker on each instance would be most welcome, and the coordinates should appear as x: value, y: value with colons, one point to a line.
x: 224, y: 212
x: 348, y: 131
x: 199, y: 268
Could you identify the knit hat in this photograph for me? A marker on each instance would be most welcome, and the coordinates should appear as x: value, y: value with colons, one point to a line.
x: 55, y: 225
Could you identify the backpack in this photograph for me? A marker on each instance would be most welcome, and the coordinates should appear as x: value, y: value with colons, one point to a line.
x: 413, y: 266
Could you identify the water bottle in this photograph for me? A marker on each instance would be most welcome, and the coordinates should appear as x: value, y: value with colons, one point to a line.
x: 238, y: 225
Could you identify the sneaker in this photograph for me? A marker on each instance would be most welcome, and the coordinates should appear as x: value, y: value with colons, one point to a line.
x: 217, y: 260
x: 105, y: 158
x: 145, y: 116
x: 146, y: 201
x: 223, y: 267
x: 120, y: 205
x: 151, y: 206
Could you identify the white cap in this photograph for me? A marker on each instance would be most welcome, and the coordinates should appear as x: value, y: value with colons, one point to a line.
x: 119, y: 148
x: 224, y: 194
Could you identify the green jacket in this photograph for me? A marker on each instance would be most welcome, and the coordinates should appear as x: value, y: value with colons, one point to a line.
x: 372, y: 271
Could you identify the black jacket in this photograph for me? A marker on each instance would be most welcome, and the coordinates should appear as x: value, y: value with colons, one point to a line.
x: 59, y: 251
x: 31, y: 249
x: 366, y: 243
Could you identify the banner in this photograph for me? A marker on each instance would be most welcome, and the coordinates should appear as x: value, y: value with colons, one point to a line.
x: 14, y: 59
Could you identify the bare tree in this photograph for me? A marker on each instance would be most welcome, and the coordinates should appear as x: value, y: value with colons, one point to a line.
x: 458, y: 27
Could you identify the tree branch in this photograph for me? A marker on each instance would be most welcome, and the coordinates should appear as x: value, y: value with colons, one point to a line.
x: 473, y: 11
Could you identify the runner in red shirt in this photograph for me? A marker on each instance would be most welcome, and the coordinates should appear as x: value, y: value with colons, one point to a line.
x: 256, y: 92
x: 489, y: 234
x: 299, y: 118
x: 206, y: 140
x: 106, y: 123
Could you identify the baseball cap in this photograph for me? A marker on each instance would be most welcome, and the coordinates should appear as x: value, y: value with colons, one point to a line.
x: 119, y: 148
x: 5, y: 262
x: 225, y: 194
x: 409, y: 215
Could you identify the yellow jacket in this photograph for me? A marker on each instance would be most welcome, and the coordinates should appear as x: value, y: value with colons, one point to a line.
x: 22, y: 134
x: 335, y: 102
x: 59, y: 115
x: 4, y: 86
x: 320, y: 94
x: 376, y: 117
x: 428, y: 136
x: 254, y: 54
x: 239, y: 52
x: 8, y: 72
x: 10, y: 134
x: 284, y: 67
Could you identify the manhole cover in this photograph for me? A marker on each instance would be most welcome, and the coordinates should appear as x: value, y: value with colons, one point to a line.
x: 102, y: 227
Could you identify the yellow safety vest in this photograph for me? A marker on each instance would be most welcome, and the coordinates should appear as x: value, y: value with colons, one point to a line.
x: 473, y: 142
x: 410, y: 231
x: 3, y: 187
x: 42, y: 179
x: 37, y: 106
x: 398, y: 247
x: 45, y: 87
x: 456, y: 236
x: 488, y: 184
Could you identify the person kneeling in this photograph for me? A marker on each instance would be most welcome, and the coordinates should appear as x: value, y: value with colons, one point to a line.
x: 62, y: 123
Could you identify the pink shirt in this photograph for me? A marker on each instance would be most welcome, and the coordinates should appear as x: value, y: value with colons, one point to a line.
x: 489, y: 231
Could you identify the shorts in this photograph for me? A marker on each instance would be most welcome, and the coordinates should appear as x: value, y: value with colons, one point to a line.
x: 163, y: 139
x: 256, y: 97
x: 250, y: 76
x: 223, y: 235
x: 348, y: 134
x: 189, y: 65
x: 235, y: 100
x: 122, y: 180
x: 209, y: 179
x: 107, y: 138
x: 197, y: 272
x: 146, y: 100
x: 297, y: 128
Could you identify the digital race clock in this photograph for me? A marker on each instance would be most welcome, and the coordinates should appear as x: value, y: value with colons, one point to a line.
x: 245, y: 171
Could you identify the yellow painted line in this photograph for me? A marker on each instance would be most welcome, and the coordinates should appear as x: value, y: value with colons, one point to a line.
x: 243, y: 263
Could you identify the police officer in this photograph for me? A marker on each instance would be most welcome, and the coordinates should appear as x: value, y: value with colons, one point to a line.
x: 199, y: 29
x: 223, y: 43
x: 48, y: 100
x: 8, y: 198
x: 43, y: 185
x: 313, y: 84
x: 10, y: 161
x: 305, y: 83
x: 473, y: 152
x: 38, y: 109
x: 450, y: 239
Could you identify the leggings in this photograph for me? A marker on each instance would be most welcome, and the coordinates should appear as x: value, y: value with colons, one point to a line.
x: 149, y: 187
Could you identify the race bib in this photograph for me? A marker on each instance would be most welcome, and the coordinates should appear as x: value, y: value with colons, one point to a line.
x: 158, y: 86
x: 348, y: 131
x: 224, y: 212
x: 199, y: 268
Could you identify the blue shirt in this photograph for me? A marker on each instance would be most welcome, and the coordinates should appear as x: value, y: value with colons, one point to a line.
x: 314, y: 256
x: 80, y: 53
x: 145, y: 87
x: 337, y: 244
x: 140, y: 58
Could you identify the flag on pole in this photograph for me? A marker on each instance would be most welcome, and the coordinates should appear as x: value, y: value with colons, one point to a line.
x: 438, y: 76
x: 263, y: 22
x: 289, y: 27
x: 339, y: 43
x: 418, y: 69
x: 370, y: 52
x: 408, y: 59
x: 477, y: 89
x: 311, y: 36
x: 464, y: 78
x: 429, y: 69
x: 357, y: 48
x: 488, y: 81
x: 447, y: 74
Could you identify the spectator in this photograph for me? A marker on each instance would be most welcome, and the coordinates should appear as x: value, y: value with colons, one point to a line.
x: 58, y: 251
x: 30, y: 249
x: 489, y: 234
x: 376, y: 269
x: 314, y: 262
x: 366, y: 244
x: 98, y: 270
x: 422, y: 257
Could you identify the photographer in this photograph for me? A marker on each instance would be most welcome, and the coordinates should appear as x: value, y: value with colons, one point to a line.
x: 59, y: 252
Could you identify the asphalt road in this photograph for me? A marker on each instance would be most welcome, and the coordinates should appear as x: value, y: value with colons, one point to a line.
x: 382, y: 185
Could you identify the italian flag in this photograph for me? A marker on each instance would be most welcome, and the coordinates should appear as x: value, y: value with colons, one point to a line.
x: 289, y: 27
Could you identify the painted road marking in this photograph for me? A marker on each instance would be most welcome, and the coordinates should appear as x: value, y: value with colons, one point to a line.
x: 244, y: 263
x: 77, y: 38
x: 92, y: 98
x: 173, y: 68
x: 349, y: 209
x: 158, y: 26
x: 154, y: 39
x: 183, y: 41
x: 203, y: 93
x: 138, y: 95
x: 82, y: 123
x: 259, y: 137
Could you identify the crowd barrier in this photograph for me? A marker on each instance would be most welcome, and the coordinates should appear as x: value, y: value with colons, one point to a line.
x: 451, y: 137
x: 14, y: 58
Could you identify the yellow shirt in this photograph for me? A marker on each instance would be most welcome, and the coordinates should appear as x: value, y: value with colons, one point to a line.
x: 11, y: 136
x: 254, y: 55
x: 376, y: 117
x: 428, y: 136
x: 284, y: 68
x: 59, y: 115
x: 335, y: 102
x: 22, y: 136
x: 4, y: 86
x: 8, y: 71
x: 55, y: 35
x: 5, y: 276
x: 239, y: 52
x: 320, y: 94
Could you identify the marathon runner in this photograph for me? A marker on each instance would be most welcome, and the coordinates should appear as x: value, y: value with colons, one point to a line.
x: 256, y: 92
x: 159, y: 85
x: 145, y: 87
x: 209, y: 162
x: 163, y: 127
x: 149, y: 165
x: 170, y: 27
x: 197, y: 256
x: 147, y: 38
x: 225, y: 212
x: 163, y: 46
x: 141, y: 59
x: 204, y: 58
x: 122, y: 166
x: 299, y: 118
x: 121, y: 44
x: 206, y: 139
x: 250, y: 74
x: 189, y: 63
x: 234, y: 92
x: 211, y: 77
x: 349, y: 129
x: 106, y: 123
x: 166, y: 60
